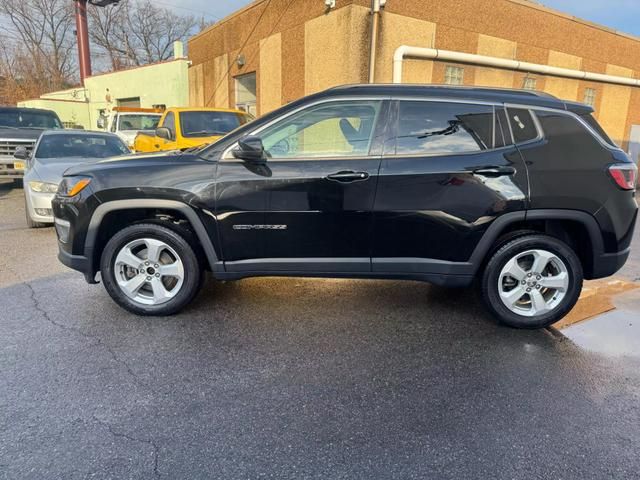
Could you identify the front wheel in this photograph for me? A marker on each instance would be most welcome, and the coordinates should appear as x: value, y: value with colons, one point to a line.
x: 532, y: 282
x: 150, y: 270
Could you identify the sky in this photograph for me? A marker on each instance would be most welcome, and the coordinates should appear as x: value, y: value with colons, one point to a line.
x: 623, y: 15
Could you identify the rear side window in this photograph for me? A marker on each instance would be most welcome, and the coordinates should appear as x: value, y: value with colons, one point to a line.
x: 588, y: 118
x: 443, y: 128
x: 522, y: 124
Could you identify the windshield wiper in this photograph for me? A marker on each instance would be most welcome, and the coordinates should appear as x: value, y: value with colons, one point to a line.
x: 207, y: 133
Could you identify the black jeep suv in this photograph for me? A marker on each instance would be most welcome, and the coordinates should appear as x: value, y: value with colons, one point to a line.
x: 520, y: 191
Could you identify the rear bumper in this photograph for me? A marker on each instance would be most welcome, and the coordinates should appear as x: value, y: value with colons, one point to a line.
x: 608, y: 264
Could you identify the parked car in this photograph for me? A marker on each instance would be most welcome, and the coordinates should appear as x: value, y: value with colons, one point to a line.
x: 54, y: 152
x: 128, y: 122
x: 518, y: 190
x: 21, y: 127
x: 183, y: 128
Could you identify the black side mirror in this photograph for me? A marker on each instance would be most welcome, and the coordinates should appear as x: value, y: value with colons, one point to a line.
x: 164, y: 132
x: 251, y: 150
x: 21, y: 153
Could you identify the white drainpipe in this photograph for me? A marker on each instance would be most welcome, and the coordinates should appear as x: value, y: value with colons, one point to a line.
x: 458, y: 57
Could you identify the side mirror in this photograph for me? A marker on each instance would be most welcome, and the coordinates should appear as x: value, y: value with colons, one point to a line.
x: 21, y: 153
x: 251, y: 150
x: 102, y: 124
x: 164, y: 132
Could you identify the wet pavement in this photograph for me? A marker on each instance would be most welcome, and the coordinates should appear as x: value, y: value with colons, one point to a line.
x: 301, y: 379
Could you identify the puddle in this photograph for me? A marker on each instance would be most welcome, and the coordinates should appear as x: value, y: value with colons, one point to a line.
x: 615, y: 333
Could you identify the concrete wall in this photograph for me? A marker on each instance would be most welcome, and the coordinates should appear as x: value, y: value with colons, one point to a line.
x: 312, y: 49
x: 161, y: 83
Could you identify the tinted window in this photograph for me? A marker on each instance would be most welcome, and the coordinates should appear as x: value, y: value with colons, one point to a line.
x: 587, y: 117
x: 25, y: 119
x: 335, y: 129
x: 522, y: 124
x: 82, y: 146
x: 206, y: 124
x: 442, y: 128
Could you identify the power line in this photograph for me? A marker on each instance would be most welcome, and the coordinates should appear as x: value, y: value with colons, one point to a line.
x: 225, y: 77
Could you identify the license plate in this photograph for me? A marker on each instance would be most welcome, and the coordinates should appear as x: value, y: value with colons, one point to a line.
x: 18, y: 165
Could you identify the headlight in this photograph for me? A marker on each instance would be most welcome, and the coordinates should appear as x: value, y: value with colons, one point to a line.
x: 42, y: 187
x: 71, y: 186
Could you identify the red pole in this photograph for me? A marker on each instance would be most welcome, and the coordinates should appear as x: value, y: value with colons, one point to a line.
x: 84, y: 55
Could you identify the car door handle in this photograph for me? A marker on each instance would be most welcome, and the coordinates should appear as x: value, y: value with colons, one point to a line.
x: 495, y: 171
x: 348, y: 177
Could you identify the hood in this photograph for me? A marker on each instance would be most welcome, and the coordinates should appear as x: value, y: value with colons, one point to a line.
x: 51, y: 172
x: 20, y: 133
x: 138, y: 161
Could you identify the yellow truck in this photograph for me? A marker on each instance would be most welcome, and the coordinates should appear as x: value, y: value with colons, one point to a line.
x: 182, y: 128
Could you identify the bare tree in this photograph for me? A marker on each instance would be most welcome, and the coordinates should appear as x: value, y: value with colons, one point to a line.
x: 43, y: 40
x: 138, y: 33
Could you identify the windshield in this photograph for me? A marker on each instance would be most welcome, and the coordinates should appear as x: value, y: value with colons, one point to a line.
x: 206, y: 124
x: 138, y: 122
x: 24, y: 119
x: 83, y: 146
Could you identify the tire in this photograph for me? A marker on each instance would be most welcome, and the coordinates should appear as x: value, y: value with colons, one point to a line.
x: 151, y: 292
x: 548, y: 294
x: 32, y: 223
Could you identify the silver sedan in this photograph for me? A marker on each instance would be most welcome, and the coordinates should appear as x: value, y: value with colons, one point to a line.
x: 55, y: 151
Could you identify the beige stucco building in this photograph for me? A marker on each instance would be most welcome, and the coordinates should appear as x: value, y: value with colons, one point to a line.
x: 272, y: 52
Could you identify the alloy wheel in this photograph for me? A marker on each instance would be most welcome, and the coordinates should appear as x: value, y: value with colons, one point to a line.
x: 149, y: 271
x: 533, y: 283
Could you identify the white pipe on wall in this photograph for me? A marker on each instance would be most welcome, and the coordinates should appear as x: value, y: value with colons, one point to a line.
x: 406, y: 51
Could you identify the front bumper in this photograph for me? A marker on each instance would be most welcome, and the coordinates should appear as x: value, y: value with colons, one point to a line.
x: 8, y: 170
x: 39, y: 205
x: 77, y: 262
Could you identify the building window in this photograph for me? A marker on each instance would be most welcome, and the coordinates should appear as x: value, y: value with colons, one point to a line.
x: 454, y: 75
x: 530, y: 83
x: 246, y: 93
x: 590, y: 97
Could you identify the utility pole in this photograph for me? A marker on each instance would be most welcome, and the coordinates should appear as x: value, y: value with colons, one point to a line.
x: 376, y: 7
x: 82, y: 34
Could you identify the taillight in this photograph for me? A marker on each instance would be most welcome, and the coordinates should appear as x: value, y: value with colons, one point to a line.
x: 625, y: 175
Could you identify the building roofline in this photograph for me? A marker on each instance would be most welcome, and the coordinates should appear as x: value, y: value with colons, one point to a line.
x: 45, y: 99
x: 162, y: 62
x: 232, y: 15
x: 535, y: 4
x: 525, y: 3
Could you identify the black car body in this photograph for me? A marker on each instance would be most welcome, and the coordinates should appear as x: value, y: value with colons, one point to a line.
x: 20, y: 128
x: 375, y: 181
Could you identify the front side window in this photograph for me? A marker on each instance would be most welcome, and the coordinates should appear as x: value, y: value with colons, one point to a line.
x: 522, y: 124
x: 170, y: 123
x: 433, y: 128
x: 336, y: 129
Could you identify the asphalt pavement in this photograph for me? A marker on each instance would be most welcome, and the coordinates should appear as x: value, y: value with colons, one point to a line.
x: 295, y: 379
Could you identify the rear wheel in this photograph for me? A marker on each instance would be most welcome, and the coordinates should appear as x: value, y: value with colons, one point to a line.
x: 532, y: 281
x: 150, y: 270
